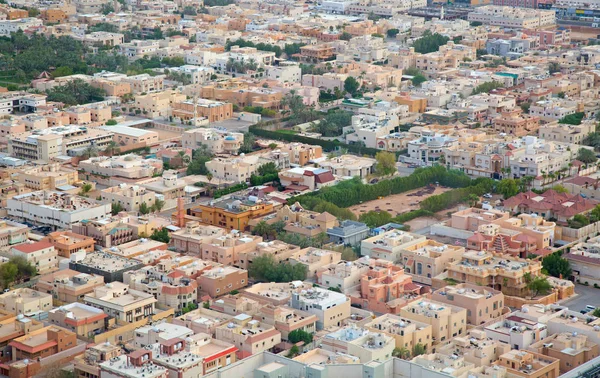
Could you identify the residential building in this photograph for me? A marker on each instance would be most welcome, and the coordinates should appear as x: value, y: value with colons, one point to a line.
x: 302, y: 154
x: 232, y: 213
x: 86, y: 321
x: 55, y: 209
x: 348, y: 233
x: 129, y: 197
x: 447, y: 321
x: 212, y: 111
x: 66, y: 242
x: 362, y: 343
x: 511, y: 17
x: 571, y: 349
x: 221, y: 280
x: 88, y: 364
x: 475, y: 348
x: 529, y: 364
x: 426, y: 259
x: 126, y: 166
x: 26, y: 301
x: 131, y: 365
x: 306, y: 178
x: 40, y: 255
x: 389, y: 245
x: 144, y: 83
x: 159, y: 333
x: 68, y: 285
x: 190, y: 238
x: 196, y: 74
x: 126, y: 136
x: 108, y: 265
x: 122, y: 303
x: 12, y: 233
x: 482, y: 304
x: 215, y: 354
x: 42, y: 343
x: 48, y: 177
x: 174, y: 290
x: 286, y: 319
x: 329, y: 307
x: 349, y: 166
x: 203, y: 320
x: 217, y: 141
x: 406, y: 332
x: 566, y: 133
x: 516, y: 123
x: 249, y: 335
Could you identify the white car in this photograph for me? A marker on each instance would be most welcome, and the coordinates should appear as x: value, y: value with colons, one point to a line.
x: 487, y: 195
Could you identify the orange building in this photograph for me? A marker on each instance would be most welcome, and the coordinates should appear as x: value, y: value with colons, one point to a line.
x: 68, y: 242
x: 242, y: 95
x: 231, y: 213
x: 42, y: 343
x: 316, y: 53
x: 212, y: 110
x: 415, y: 105
x: 15, y: 14
x: 54, y: 16
x: 515, y: 123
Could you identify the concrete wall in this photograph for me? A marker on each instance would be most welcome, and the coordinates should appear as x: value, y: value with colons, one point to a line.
x: 442, y: 230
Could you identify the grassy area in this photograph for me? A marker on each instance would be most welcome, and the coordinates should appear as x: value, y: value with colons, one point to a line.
x: 287, y: 131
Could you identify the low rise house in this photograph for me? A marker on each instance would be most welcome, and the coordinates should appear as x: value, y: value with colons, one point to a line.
x: 119, y: 301
x: 86, y: 321
x: 390, y: 244
x: 447, y: 321
x: 26, y: 301
x: 407, y: 333
x: 41, y: 255
x: 571, y: 349
x: 107, y: 265
x: 66, y: 243
x: 482, y: 304
x: 329, y: 307
x: 68, y: 285
x: 249, y: 335
x: 362, y: 343
x: 221, y: 280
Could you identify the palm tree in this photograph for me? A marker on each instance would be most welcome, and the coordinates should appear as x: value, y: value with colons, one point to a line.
x: 229, y: 65
x: 158, y: 205
x: 402, y: 353
x: 209, y: 176
x: 111, y: 148
x: 90, y: 151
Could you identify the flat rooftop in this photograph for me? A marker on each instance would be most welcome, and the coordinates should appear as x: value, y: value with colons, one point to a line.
x: 108, y: 262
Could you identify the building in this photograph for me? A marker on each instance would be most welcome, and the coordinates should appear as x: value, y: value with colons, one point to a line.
x: 516, y: 123
x: 215, y: 354
x: 26, y: 301
x: 389, y: 245
x: 250, y: 336
x: 512, y: 17
x: 159, y: 333
x: 571, y: 349
x: 529, y: 364
x: 55, y: 209
x: 12, y: 233
x: 174, y: 290
x: 406, y: 332
x: 130, y: 197
x: 107, y: 265
x: 48, y: 177
x: 427, y: 259
x: 66, y: 242
x: 314, y: 259
x: 48, y: 144
x: 217, y: 141
x: 348, y: 233
x: 286, y: 319
x: 306, y: 178
x: 233, y: 213
x: 86, y: 321
x: 447, y: 321
x: 482, y: 304
x: 359, y: 342
x: 349, y: 166
x: 120, y: 302
x: 203, y: 320
x: 329, y: 307
x: 144, y: 83
x: 212, y: 111
x: 40, y: 255
x: 42, y: 343
x: 566, y: 133
x: 68, y: 285
x: 219, y: 281
x: 131, y: 365
x: 88, y: 364
x: 126, y: 166
x: 191, y: 237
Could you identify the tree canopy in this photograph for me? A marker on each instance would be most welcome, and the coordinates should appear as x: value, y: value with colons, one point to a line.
x: 430, y: 42
x: 586, y: 156
x: 75, y: 92
x: 487, y: 87
x: 386, y: 163
x: 557, y: 266
x: 266, y: 268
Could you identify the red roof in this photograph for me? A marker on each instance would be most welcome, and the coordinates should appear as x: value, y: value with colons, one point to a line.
x: 324, y: 177
x: 32, y: 247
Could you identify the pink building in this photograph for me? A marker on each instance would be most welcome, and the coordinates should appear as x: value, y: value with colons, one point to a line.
x: 385, y: 288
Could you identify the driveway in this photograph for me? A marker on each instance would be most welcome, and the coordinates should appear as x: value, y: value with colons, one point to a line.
x: 586, y: 295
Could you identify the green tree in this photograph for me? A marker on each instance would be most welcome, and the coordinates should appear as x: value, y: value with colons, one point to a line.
x: 487, y: 87
x: 553, y: 67
x: 560, y: 189
x: 418, y: 79
x: 402, y: 353
x: 107, y: 8
x: 294, y: 351
x: 161, y: 234
x: 418, y: 350
x: 386, y: 163
x: 578, y: 221
x: 539, y: 286
x: 190, y: 11
x: 144, y: 209
x: 561, y: 94
x: 300, y: 335
x: 8, y: 274
x: 111, y: 122
x: 263, y: 229
x: 266, y: 268
x: 75, y: 92
x: 375, y: 218
x: 508, y: 187
x: 116, y: 208
x: 345, y: 36
x: 573, y: 119
x: 248, y: 143
x: 351, y: 85
x: 158, y: 204
x: 267, y: 168
x: 392, y: 33
x: 557, y: 266
x: 586, y: 156
x: 430, y: 42
x: 112, y: 147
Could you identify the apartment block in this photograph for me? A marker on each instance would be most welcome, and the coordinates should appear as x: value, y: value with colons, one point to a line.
x: 406, y: 332
x: 107, y: 265
x: 86, y: 321
x: 329, y: 307
x: 571, y: 349
x: 566, y: 133
x: 191, y: 237
x: 130, y: 197
x: 120, y: 302
x: 529, y: 364
x: 41, y: 255
x: 482, y: 304
x: 447, y: 321
x: 68, y: 285
x: 232, y: 213
x: 221, y: 280
x: 389, y: 245
x: 66, y: 243
x: 12, y: 233
x: 212, y: 111
x: 217, y: 141
x: 42, y: 343
x: 362, y: 343
x: 126, y: 166
x: 249, y: 335
x: 516, y: 123
x: 427, y: 259
x: 203, y: 320
x: 26, y: 301
x: 48, y: 177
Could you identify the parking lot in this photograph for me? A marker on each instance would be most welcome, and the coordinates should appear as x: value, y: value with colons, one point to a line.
x: 586, y: 295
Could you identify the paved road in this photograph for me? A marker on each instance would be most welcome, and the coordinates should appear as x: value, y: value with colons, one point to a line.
x: 587, y: 295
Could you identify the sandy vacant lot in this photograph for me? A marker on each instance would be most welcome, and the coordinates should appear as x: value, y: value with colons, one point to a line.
x: 397, y: 203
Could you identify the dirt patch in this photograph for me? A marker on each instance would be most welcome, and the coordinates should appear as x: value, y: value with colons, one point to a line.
x: 398, y: 203
x: 419, y: 223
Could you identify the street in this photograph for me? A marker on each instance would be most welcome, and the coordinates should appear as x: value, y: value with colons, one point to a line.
x: 587, y: 295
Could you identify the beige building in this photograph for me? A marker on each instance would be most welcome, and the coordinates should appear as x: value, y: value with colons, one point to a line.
x: 132, y: 136
x: 125, y: 166
x: 158, y: 104
x: 314, y: 259
x: 145, y: 83
x: 448, y: 321
x: 567, y: 133
x: 513, y: 17
x: 286, y: 319
x: 26, y: 301
x: 482, y: 303
x: 86, y: 321
x: 130, y: 197
x: 221, y: 280
x: 213, y: 111
x: 406, y: 332
x: 330, y: 307
x: 190, y: 238
x: 362, y: 343
x: 217, y: 141
x: 427, y: 259
x: 68, y: 285
x: 203, y: 320
x: 249, y: 335
x: 48, y: 177
x: 570, y: 348
x: 529, y: 364
x: 12, y: 233
x: 42, y: 255
x: 390, y: 244
x: 122, y: 303
x: 349, y: 166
